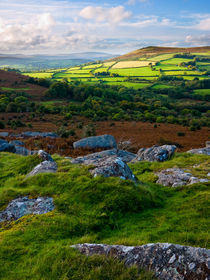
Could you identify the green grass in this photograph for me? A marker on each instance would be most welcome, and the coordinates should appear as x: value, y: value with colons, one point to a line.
x: 160, y: 86
x: 102, y: 210
x: 142, y: 71
x: 176, y: 60
x: 202, y: 91
x: 161, y: 57
x: 16, y: 89
x: 44, y: 75
x: 128, y: 84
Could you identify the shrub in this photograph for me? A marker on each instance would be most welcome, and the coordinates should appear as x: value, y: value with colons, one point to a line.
x: 2, y: 125
x: 180, y: 133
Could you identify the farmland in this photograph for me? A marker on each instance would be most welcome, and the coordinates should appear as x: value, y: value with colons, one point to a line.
x: 141, y: 71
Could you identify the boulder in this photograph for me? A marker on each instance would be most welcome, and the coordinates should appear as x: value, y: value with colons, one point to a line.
x: 39, y: 134
x: 6, y: 147
x: 44, y: 156
x: 155, y: 153
x: 167, y: 261
x: 113, y: 166
x: 201, y: 151
x: 44, y: 167
x: 4, y: 134
x: 93, y: 159
x: 23, y: 206
x: 17, y: 143
x: 94, y: 142
x: 22, y: 151
x: 176, y: 177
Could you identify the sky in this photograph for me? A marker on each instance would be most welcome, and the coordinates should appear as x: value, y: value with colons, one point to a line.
x: 115, y: 27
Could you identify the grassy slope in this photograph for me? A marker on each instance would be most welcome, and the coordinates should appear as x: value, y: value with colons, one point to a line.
x: 95, y: 210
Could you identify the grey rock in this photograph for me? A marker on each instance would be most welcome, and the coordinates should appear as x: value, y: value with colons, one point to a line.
x: 6, y: 147
x: 17, y: 143
x: 4, y: 134
x: 201, y: 151
x: 93, y: 159
x: 155, y: 153
x: 20, y: 207
x: 113, y: 166
x: 39, y: 134
x: 44, y: 156
x: 44, y: 167
x: 22, y: 151
x: 176, y: 177
x: 167, y: 261
x: 94, y: 142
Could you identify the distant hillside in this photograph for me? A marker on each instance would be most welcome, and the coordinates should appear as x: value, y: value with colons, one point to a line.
x: 40, y: 62
x: 154, y: 51
x: 12, y: 81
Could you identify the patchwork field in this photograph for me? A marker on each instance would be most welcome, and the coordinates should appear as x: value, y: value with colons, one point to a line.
x: 146, y: 68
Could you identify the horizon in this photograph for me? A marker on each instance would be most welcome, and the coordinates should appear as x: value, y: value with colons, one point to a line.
x: 60, y: 27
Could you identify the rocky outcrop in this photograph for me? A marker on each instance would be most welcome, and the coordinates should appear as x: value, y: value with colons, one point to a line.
x: 201, y: 151
x: 94, y: 142
x: 175, y: 177
x: 93, y: 159
x: 167, y: 261
x: 155, y: 153
x: 19, y: 148
x: 6, y: 147
x: 48, y: 165
x: 20, y: 207
x: 113, y: 167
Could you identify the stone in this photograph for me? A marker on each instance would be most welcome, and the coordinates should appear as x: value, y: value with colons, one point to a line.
x: 39, y: 134
x: 17, y: 143
x: 44, y: 167
x: 6, y: 147
x: 93, y: 159
x: 167, y: 261
x: 113, y: 166
x: 22, y: 206
x: 22, y: 151
x: 176, y: 177
x: 155, y: 153
x: 4, y: 134
x: 94, y: 142
x: 44, y: 156
x: 201, y: 151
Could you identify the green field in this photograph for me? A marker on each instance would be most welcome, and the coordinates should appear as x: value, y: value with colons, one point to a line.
x: 166, y: 65
x: 202, y: 91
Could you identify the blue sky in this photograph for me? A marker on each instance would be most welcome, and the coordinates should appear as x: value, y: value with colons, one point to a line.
x: 68, y: 26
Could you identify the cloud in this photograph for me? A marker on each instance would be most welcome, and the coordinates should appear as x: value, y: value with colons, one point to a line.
x: 100, y: 14
x: 201, y: 40
x: 204, y: 24
x: 133, y: 2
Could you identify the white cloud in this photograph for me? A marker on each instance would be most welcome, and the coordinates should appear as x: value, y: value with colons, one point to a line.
x: 100, y: 14
x: 201, y: 40
x: 133, y: 2
x: 204, y: 24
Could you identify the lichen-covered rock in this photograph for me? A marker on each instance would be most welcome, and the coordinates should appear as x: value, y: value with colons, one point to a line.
x: 44, y: 167
x: 201, y: 151
x: 177, y: 177
x: 94, y: 142
x: 44, y: 156
x: 93, y: 159
x: 167, y: 261
x: 20, y: 207
x: 113, y: 167
x: 155, y: 153
x: 6, y: 147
